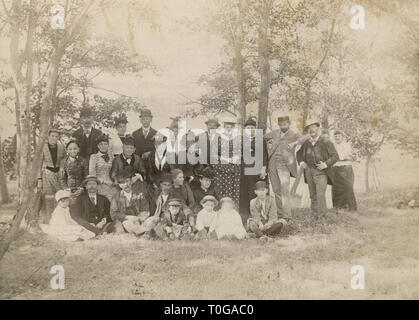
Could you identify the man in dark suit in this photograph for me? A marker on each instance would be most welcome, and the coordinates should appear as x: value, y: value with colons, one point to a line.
x: 91, y: 209
x: 143, y: 136
x: 87, y: 135
x: 282, y: 164
x: 210, y: 136
x: 317, y: 157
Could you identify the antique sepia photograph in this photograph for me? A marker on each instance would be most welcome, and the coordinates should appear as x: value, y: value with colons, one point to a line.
x: 209, y: 150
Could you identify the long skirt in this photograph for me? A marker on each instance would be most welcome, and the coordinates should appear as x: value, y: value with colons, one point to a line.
x: 227, y: 181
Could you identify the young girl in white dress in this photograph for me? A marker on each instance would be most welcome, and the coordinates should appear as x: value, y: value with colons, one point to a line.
x: 228, y: 224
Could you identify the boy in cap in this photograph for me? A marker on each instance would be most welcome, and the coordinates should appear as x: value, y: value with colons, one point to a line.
x: 143, y: 137
x: 264, y: 217
x: 205, y: 221
x: 61, y: 225
x: 174, y: 224
x: 129, y: 207
x: 128, y: 161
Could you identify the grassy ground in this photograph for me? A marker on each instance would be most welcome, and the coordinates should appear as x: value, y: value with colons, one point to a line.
x: 312, y: 260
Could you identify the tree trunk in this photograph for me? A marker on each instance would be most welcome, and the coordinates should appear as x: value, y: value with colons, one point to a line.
x: 367, y: 174
x: 306, y: 105
x: 239, y: 63
x: 3, y: 185
x: 264, y: 66
x: 28, y: 196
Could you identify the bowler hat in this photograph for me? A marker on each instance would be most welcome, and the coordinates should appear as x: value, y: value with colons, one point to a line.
x: 284, y: 119
x: 145, y: 113
x: 260, y: 185
x: 213, y: 120
x: 250, y: 122
x: 86, y: 112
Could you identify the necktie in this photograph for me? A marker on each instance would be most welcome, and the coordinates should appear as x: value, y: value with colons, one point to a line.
x: 105, y: 156
x: 93, y: 199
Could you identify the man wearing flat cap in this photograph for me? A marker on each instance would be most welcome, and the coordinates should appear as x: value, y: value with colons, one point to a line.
x: 91, y: 209
x: 282, y: 164
x: 144, y: 136
x: 317, y: 156
x: 87, y: 135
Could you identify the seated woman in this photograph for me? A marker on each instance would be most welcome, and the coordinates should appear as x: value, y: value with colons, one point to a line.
x: 228, y: 224
x: 61, y: 225
x: 205, y: 188
x: 73, y: 169
x: 100, y: 165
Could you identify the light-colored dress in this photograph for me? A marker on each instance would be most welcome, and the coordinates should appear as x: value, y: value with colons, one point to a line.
x: 64, y: 228
x: 206, y: 219
x: 229, y: 224
x: 100, y: 166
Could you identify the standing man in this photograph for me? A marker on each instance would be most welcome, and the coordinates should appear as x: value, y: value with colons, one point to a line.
x: 87, y: 135
x: 343, y: 175
x: 210, y: 136
x: 144, y: 136
x: 48, y: 182
x: 317, y: 157
x: 282, y: 163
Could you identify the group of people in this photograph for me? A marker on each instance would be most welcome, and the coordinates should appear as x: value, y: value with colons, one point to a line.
x: 124, y: 183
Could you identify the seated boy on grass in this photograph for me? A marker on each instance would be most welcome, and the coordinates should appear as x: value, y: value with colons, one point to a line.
x: 264, y: 218
x: 205, y: 221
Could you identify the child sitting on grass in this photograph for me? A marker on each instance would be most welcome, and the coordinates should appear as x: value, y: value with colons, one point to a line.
x: 264, y: 218
x: 61, y: 225
x: 228, y: 224
x: 206, y: 217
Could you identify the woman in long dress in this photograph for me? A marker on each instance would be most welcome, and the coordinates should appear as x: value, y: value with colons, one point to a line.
x: 100, y: 165
x: 227, y: 171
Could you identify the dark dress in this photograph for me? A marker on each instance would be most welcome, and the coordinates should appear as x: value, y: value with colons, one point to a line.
x: 72, y: 173
x: 247, y: 182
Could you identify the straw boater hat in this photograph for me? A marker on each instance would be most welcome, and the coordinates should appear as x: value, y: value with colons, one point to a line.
x: 90, y: 178
x: 311, y: 122
x: 62, y: 194
x: 209, y: 198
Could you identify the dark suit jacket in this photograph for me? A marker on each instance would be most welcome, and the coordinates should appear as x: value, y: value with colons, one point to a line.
x: 87, y: 146
x: 143, y: 144
x: 84, y: 211
x: 153, y: 173
x: 327, y: 153
x: 118, y: 166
